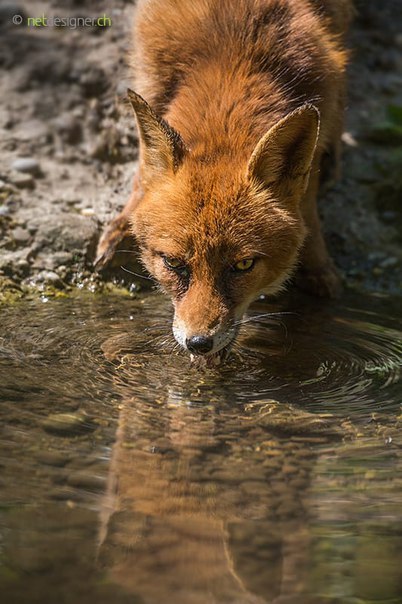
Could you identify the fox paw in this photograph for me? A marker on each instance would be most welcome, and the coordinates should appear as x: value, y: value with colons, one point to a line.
x: 323, y: 282
x: 112, y: 238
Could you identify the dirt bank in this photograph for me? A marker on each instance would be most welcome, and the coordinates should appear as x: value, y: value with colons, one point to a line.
x: 68, y: 146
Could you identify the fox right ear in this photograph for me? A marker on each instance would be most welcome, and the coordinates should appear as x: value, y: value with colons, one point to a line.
x: 161, y: 147
x: 283, y: 157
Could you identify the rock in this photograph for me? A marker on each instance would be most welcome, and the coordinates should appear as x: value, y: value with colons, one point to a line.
x: 22, y: 266
x: 288, y: 419
x: 50, y: 277
x: 64, y: 493
x: 22, y: 180
x: 9, y: 260
x: 93, y: 82
x: 26, y: 165
x: 58, y: 261
x: 349, y: 139
x: 68, y: 424
x: 86, y: 480
x: 389, y: 262
x: 5, y: 211
x: 88, y: 212
x: 33, y: 130
x: 69, y: 128
x: 376, y: 256
x: 57, y: 459
x: 72, y: 233
x: 21, y: 236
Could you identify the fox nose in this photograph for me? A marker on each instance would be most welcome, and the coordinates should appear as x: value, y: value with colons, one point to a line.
x: 199, y: 344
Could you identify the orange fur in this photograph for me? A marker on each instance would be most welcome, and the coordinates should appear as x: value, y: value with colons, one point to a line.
x: 251, y: 94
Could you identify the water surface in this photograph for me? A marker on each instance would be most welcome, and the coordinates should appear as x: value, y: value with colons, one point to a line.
x: 130, y: 476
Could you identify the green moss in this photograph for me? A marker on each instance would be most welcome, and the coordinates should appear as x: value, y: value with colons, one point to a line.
x: 9, y: 291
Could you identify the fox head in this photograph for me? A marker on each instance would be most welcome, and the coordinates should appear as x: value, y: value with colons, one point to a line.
x: 216, y: 233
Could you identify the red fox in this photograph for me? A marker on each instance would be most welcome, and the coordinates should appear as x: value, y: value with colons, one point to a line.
x: 243, y: 98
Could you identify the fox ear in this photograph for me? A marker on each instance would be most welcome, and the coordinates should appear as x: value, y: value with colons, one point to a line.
x: 285, y: 153
x: 161, y: 147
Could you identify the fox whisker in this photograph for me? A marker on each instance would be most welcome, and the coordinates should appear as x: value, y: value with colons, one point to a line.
x: 263, y: 316
x: 126, y: 270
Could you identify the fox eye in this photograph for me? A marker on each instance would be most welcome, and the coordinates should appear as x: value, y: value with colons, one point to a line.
x: 175, y: 264
x: 172, y: 262
x: 244, y: 265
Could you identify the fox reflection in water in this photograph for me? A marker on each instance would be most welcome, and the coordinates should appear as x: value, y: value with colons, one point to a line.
x: 218, y: 494
x: 196, y: 512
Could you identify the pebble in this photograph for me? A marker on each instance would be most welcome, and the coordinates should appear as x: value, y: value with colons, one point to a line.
x: 22, y: 180
x: 88, y: 212
x: 349, y: 139
x: 53, y: 458
x: 376, y: 256
x: 64, y: 494
x: 26, y: 165
x: 67, y: 424
x: 86, y: 480
x: 389, y: 262
x: 82, y: 460
x: 289, y: 469
x: 20, y: 235
x: 22, y: 265
x: 49, y: 277
x: 5, y: 211
x: 69, y: 128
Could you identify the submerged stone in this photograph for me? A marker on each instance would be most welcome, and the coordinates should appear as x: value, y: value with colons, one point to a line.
x: 86, y: 480
x: 68, y: 424
x: 53, y: 458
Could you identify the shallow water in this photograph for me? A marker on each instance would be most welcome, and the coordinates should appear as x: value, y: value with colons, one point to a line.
x: 130, y: 476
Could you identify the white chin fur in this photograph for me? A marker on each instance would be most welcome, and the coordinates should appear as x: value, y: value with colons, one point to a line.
x: 179, y: 336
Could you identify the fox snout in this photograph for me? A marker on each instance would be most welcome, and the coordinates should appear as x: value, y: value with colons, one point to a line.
x: 203, y: 329
x: 202, y: 344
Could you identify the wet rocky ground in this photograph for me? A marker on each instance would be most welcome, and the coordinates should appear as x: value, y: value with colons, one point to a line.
x: 68, y: 147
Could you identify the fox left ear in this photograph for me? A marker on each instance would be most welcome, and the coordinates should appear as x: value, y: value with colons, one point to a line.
x: 285, y: 153
x: 161, y: 147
